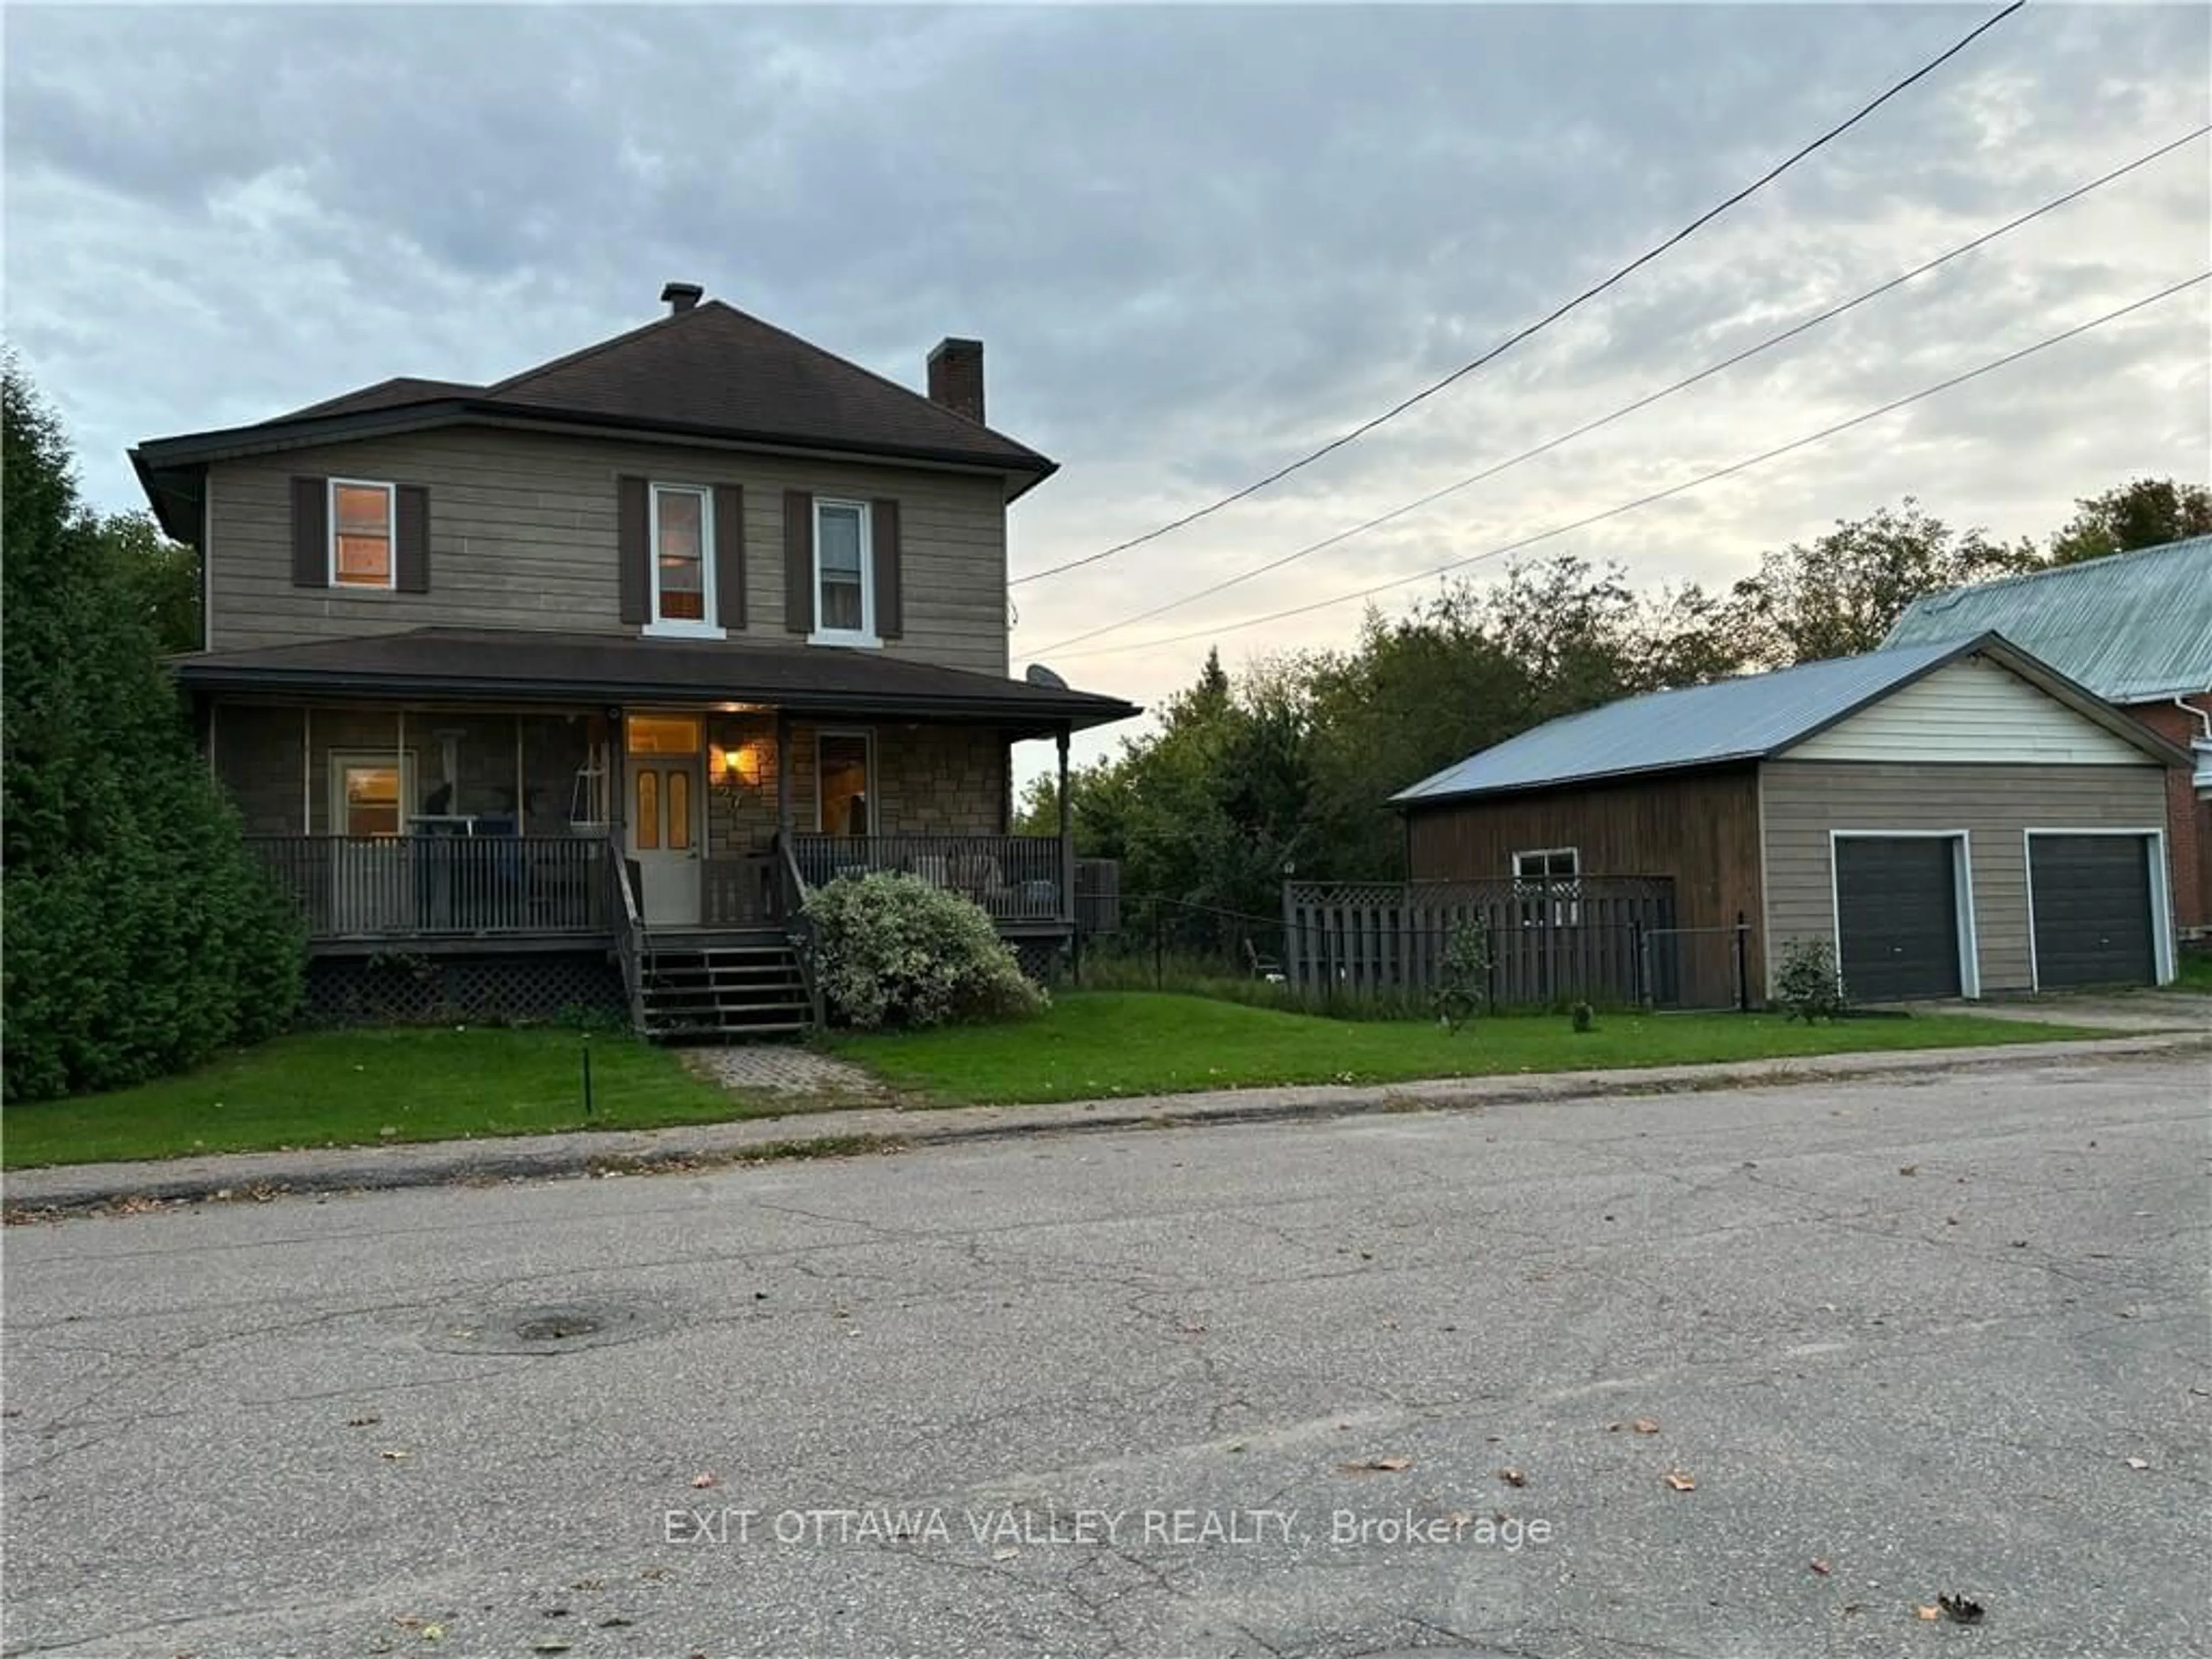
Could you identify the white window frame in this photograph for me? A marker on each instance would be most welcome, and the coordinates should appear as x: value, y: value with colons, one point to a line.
x: 1561, y: 909
x: 2163, y: 962
x: 707, y: 627
x: 341, y: 761
x: 1572, y: 853
x: 1962, y: 882
x: 867, y: 737
x: 865, y: 636
x: 330, y: 488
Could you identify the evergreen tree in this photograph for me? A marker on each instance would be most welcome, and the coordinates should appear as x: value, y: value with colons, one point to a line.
x: 140, y: 937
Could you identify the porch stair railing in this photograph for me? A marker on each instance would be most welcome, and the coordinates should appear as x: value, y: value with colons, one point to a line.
x: 791, y: 890
x: 630, y: 931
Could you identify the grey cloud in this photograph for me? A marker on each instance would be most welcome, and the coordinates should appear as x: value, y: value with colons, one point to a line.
x: 1196, y: 241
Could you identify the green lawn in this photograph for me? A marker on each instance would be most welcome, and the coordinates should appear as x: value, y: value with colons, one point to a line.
x: 1099, y: 1043
x: 366, y: 1088
x: 347, y: 1088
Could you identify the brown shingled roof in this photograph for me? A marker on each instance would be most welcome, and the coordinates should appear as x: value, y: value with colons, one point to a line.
x: 712, y: 371
x: 395, y: 394
x: 713, y: 367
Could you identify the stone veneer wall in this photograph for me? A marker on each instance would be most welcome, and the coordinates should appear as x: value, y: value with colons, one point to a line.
x: 930, y: 780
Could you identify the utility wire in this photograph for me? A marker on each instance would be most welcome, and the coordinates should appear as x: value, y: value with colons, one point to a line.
x: 1542, y: 322
x: 1729, y: 470
x: 1645, y: 402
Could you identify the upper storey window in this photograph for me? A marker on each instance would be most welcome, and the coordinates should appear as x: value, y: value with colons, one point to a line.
x: 362, y: 517
x: 683, y: 580
x: 844, y: 582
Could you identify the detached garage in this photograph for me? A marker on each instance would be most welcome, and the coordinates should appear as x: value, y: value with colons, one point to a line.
x: 1955, y: 819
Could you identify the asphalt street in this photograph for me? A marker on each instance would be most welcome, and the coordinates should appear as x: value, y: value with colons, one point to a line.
x: 1737, y: 1373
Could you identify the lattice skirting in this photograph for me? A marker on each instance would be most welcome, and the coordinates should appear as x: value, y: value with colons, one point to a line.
x: 1044, y: 960
x: 399, y: 988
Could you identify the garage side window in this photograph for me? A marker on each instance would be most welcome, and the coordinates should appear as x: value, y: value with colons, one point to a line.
x: 1552, y: 864
x: 1547, y: 887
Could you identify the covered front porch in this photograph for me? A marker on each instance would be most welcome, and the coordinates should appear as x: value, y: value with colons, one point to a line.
x: 477, y: 810
x: 434, y: 824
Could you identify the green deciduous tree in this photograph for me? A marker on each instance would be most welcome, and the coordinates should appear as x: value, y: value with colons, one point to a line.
x: 1839, y: 595
x: 2144, y: 514
x: 141, y: 938
x: 162, y: 576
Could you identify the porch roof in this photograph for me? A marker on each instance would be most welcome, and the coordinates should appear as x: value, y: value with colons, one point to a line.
x: 515, y: 666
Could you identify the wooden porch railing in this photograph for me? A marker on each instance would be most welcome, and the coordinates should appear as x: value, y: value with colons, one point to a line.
x: 440, y: 886
x: 1014, y: 877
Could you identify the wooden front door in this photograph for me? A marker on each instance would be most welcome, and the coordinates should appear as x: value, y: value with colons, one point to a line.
x: 664, y: 827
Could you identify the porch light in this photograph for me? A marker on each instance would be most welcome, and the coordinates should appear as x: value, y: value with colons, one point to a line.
x: 740, y: 767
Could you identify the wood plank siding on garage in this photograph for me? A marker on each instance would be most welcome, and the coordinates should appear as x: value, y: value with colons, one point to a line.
x: 1995, y: 804
x: 522, y: 534
x: 1699, y: 827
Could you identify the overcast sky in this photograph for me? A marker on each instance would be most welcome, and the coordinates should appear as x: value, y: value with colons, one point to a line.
x: 1196, y: 243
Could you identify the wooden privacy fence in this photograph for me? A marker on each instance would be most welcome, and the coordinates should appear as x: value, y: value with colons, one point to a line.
x: 1549, y: 940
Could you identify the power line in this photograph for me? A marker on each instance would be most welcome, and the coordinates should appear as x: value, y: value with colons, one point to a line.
x: 1644, y: 402
x: 1729, y: 470
x: 1542, y: 322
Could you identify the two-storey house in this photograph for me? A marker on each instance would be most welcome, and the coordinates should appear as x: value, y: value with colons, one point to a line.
x: 570, y: 686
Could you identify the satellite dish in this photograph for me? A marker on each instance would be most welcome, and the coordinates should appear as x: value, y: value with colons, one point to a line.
x: 1040, y: 675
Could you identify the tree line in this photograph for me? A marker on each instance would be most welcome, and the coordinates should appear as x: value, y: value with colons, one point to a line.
x: 1286, y: 766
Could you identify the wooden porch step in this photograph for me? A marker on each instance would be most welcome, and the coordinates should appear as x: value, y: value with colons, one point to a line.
x: 699, y: 985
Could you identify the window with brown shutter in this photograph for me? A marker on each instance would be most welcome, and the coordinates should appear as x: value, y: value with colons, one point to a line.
x: 361, y: 534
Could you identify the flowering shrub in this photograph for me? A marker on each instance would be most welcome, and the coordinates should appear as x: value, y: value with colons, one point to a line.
x: 895, y: 949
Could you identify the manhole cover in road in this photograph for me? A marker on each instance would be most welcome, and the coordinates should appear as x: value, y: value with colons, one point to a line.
x: 549, y: 1327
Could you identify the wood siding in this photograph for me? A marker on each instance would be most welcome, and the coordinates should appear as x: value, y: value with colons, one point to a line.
x: 1698, y: 829
x: 1971, y: 710
x: 1801, y: 801
x: 523, y: 535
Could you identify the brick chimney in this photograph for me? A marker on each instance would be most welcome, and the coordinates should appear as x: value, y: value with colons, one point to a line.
x: 956, y: 376
x: 680, y: 297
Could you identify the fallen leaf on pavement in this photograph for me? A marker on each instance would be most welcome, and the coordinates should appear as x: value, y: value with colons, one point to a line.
x: 1959, y: 1610
x: 702, y: 1481
x: 1821, y: 1566
x: 1908, y: 1168
x: 1927, y: 1615
x: 362, y: 1422
x: 1680, y: 1481
x: 1376, y: 1465
x: 1513, y: 1477
x: 1646, y: 1425
x: 392, y: 1454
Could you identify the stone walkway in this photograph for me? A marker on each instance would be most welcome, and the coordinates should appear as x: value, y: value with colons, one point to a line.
x: 783, y: 1068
